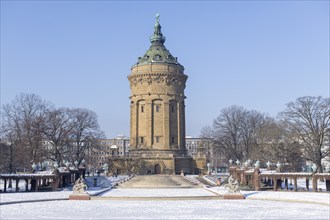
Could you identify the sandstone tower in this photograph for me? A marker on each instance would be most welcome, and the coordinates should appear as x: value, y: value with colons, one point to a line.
x: 157, y: 116
x: 157, y: 110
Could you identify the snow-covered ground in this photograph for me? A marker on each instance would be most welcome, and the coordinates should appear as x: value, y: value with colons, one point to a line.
x: 154, y: 192
x: 257, y: 205
x: 168, y: 209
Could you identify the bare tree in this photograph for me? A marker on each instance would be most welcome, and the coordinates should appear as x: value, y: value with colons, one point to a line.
x: 309, y: 120
x: 23, y: 119
x: 252, y: 123
x: 227, y: 135
x: 236, y: 132
x: 277, y: 144
x: 84, y: 134
x: 57, y: 128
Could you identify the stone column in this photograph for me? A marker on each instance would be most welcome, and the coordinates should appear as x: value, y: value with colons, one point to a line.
x: 36, y: 185
x: 149, y: 125
x: 133, y: 125
x: 16, y: 188
x: 5, y: 185
x: 314, y: 183
x: 327, y: 185
x: 275, y: 183
x: 255, y: 179
x: 182, y: 127
x: 295, y: 184
x: 26, y: 185
x: 179, y: 123
x: 166, y: 125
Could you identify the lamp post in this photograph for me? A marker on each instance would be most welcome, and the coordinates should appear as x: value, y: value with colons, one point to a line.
x: 238, y: 162
x: 230, y: 162
x: 76, y: 163
x: 268, y: 165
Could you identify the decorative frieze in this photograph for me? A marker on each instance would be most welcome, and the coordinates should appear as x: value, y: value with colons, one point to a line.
x: 157, y: 78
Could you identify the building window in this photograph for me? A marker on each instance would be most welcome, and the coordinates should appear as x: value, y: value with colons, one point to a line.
x: 173, y: 140
x: 172, y: 108
x: 157, y: 108
x: 142, y: 108
x: 141, y: 140
x: 157, y: 139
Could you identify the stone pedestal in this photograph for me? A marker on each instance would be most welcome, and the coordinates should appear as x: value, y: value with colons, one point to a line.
x: 79, y: 197
x: 234, y: 196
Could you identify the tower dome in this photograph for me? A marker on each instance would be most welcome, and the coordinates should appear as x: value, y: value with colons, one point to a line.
x: 157, y: 52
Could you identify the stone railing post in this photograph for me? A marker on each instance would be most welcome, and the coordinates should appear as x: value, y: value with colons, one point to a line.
x: 295, y: 184
x: 16, y: 188
x: 327, y: 185
x: 255, y: 179
x: 5, y: 185
x: 275, y: 183
x: 26, y: 185
x: 307, y: 183
x: 286, y: 184
x: 314, y: 183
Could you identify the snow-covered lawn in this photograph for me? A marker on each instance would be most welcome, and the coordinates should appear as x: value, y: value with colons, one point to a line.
x: 172, y: 209
x: 164, y: 192
x: 257, y: 205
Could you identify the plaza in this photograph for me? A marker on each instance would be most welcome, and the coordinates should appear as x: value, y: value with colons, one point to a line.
x: 172, y: 202
x: 249, y: 157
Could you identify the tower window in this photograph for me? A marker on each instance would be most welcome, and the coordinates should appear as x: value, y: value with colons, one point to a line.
x: 157, y: 139
x: 141, y: 140
x: 142, y: 108
x: 157, y: 108
x: 172, y: 108
x: 173, y: 140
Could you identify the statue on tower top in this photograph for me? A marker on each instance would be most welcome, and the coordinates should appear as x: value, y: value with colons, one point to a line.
x: 157, y: 36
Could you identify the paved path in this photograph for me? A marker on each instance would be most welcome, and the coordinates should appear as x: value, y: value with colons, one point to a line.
x: 148, y: 187
x: 158, y: 181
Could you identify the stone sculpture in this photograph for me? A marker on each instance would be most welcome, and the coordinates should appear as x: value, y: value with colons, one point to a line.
x: 232, y: 185
x: 79, y: 186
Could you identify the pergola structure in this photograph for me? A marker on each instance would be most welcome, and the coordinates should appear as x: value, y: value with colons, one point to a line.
x: 248, y: 176
x: 53, y: 180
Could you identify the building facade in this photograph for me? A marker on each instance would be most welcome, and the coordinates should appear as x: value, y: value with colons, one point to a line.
x: 106, y: 150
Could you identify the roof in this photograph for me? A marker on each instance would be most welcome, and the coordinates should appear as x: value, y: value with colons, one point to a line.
x: 157, y: 52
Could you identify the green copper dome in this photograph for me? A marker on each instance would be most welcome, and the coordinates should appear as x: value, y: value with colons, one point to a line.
x: 157, y: 52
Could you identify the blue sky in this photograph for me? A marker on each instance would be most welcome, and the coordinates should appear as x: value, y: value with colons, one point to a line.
x: 258, y: 55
